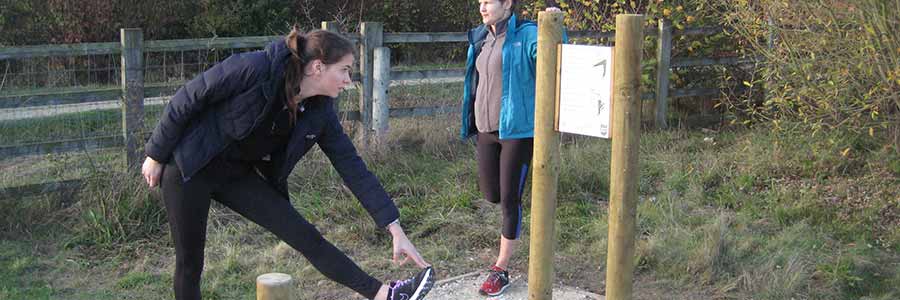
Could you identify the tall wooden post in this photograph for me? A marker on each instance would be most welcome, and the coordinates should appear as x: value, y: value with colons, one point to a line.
x: 626, y: 133
x: 333, y: 26
x: 663, y: 60
x: 381, y: 111
x: 132, y: 41
x: 274, y: 286
x: 545, y: 162
x: 371, y: 37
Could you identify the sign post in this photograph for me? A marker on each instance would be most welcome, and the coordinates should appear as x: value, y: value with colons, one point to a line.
x: 626, y: 134
x: 545, y: 162
x: 594, y: 91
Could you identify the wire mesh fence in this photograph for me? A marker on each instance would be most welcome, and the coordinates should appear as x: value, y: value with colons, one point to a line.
x: 24, y: 76
x: 71, y: 106
x: 37, y: 105
x: 45, y: 99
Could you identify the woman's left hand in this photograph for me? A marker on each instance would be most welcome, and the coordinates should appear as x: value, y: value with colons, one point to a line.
x: 404, y: 249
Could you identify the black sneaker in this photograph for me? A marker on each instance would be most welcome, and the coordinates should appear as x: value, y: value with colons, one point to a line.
x: 414, y: 288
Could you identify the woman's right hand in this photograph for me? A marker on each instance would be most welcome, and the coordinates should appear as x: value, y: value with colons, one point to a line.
x: 152, y: 171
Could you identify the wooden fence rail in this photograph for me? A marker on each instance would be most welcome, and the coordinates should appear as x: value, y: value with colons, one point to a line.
x: 371, y: 37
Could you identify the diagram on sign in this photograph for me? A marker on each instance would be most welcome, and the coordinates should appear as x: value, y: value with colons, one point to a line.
x: 585, y: 90
x: 597, y: 92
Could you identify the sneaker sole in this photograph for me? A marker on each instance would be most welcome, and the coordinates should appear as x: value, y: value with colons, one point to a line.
x: 424, y: 288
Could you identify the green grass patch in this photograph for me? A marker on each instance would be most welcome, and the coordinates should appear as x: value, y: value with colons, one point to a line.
x: 18, y: 269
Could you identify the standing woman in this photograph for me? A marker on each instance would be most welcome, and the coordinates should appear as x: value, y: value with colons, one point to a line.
x: 498, y: 107
x: 235, y: 133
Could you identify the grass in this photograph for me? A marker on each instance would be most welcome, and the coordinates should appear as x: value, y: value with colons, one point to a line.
x: 39, y: 169
x: 730, y: 213
x: 739, y: 213
x: 16, y: 269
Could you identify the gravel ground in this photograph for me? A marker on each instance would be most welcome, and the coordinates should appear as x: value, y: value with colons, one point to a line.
x: 465, y: 287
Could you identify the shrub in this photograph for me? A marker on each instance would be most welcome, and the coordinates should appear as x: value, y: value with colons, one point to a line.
x: 830, y: 65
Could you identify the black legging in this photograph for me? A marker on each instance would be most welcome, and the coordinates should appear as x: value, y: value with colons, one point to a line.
x: 502, y: 170
x: 242, y: 190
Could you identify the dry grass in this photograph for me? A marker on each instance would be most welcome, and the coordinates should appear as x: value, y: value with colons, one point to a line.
x: 745, y: 215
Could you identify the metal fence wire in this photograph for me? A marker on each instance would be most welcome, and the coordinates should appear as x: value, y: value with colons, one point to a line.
x: 47, y: 99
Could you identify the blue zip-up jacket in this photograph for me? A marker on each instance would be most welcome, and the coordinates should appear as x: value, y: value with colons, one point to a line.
x: 517, y: 101
x: 225, y: 104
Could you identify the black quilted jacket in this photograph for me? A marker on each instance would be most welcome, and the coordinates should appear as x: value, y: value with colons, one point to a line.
x: 226, y: 102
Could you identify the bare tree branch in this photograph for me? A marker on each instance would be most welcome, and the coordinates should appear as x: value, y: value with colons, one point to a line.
x: 306, y: 9
x: 341, y: 16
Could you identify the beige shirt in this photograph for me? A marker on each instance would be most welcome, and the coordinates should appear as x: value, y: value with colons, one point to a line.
x: 489, y: 64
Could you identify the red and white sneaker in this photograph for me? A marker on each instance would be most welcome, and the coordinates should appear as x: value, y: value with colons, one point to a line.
x: 496, y: 282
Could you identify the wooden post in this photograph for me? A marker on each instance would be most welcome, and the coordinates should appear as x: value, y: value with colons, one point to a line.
x: 274, y: 286
x: 663, y: 59
x: 626, y: 133
x: 382, y: 81
x: 545, y: 162
x: 333, y: 26
x: 132, y: 40
x: 371, y: 38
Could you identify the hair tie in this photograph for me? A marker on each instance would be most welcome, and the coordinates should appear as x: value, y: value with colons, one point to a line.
x: 296, y: 43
